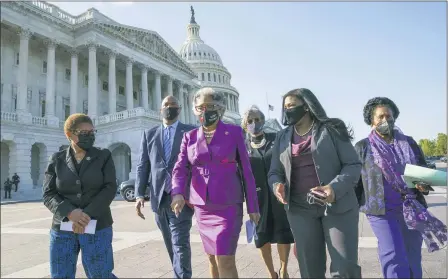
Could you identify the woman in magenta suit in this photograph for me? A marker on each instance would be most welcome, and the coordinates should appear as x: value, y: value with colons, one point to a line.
x: 215, y: 157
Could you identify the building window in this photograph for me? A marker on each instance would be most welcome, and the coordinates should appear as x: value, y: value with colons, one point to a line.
x: 68, y: 74
x: 219, y: 78
x: 209, y: 77
x: 67, y: 111
x: 135, y: 95
x: 17, y: 58
x: 105, y: 86
x: 44, y: 67
x: 42, y: 108
x: 86, y: 80
x: 121, y: 90
x: 203, y: 77
x: 214, y: 77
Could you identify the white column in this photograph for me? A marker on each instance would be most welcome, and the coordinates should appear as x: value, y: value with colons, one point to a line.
x: 129, y: 87
x: 22, y: 77
x: 112, y: 83
x: 51, y: 76
x: 22, y: 161
x: 169, y: 81
x: 74, y: 82
x: 157, y: 91
x: 145, y: 97
x: 182, y: 102
x: 92, y: 99
x: 190, y: 100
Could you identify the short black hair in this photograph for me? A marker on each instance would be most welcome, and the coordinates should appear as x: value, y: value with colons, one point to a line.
x: 373, y: 103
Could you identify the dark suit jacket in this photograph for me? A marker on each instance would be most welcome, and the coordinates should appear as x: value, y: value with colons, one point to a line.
x: 152, y: 168
x: 371, y: 195
x: 336, y: 163
x: 92, y: 190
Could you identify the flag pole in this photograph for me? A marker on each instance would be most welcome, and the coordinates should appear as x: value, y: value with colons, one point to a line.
x: 267, y: 102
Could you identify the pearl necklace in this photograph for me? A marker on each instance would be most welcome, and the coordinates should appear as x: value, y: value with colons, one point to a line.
x: 209, y: 135
x: 258, y: 145
x: 311, y: 127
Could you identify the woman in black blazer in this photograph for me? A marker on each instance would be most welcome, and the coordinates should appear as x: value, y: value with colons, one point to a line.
x: 79, y: 186
x: 273, y: 226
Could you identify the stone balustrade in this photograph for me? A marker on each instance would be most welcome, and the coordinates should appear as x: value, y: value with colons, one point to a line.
x: 58, y: 13
x: 108, y: 118
x: 8, y: 116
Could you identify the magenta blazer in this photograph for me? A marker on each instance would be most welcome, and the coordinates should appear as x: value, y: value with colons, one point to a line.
x: 215, y: 169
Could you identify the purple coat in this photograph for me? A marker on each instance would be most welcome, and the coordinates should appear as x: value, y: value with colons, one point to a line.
x: 215, y: 175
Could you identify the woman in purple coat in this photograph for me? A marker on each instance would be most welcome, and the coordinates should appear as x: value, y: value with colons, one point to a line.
x: 215, y: 157
x: 396, y: 213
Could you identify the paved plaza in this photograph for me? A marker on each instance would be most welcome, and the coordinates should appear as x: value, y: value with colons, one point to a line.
x: 140, y: 253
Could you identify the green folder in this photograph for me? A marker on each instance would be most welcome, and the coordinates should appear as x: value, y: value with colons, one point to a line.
x: 413, y: 173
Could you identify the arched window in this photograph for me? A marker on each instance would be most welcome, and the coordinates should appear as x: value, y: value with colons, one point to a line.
x: 203, y: 77
x: 214, y: 77
x: 209, y: 77
x: 219, y: 78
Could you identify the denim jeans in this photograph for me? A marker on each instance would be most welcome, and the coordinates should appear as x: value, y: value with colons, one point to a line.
x: 96, y: 253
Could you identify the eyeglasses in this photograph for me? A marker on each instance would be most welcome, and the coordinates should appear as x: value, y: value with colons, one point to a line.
x: 250, y: 121
x: 209, y: 107
x: 85, y: 132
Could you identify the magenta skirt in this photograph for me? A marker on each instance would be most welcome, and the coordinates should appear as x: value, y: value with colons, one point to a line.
x: 219, y: 227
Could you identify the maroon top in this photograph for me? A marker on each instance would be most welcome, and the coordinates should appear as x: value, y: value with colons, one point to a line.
x: 303, y: 172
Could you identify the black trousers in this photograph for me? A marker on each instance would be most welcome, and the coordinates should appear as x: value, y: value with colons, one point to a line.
x: 7, y: 193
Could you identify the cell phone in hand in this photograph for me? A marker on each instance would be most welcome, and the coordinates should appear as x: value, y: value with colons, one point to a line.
x: 319, y: 194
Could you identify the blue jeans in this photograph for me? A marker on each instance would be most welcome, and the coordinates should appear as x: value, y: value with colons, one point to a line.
x: 96, y: 251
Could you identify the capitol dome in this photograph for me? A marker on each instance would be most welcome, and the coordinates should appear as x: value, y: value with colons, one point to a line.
x: 195, y: 50
x: 207, y: 64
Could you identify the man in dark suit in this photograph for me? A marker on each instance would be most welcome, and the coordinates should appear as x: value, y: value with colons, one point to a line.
x: 158, y: 152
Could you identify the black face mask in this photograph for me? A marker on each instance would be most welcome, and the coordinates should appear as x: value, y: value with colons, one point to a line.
x: 386, y: 128
x: 170, y: 113
x: 209, y: 117
x: 255, y: 128
x: 85, y: 142
x: 293, y: 115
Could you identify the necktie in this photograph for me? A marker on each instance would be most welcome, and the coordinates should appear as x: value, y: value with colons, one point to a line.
x: 167, y: 143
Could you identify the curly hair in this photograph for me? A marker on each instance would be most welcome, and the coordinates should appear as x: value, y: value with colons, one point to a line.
x: 373, y: 103
x: 318, y: 113
x: 72, y: 122
x: 252, y: 109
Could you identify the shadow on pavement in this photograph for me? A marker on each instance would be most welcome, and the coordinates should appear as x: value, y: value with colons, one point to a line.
x: 437, y: 204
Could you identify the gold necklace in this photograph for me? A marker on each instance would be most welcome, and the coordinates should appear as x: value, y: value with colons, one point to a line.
x: 311, y: 127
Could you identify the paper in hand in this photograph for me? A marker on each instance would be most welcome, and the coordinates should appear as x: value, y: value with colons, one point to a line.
x: 90, y: 228
x: 251, y: 231
x: 429, y: 176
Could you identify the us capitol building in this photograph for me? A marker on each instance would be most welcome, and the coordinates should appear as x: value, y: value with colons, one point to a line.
x: 54, y: 64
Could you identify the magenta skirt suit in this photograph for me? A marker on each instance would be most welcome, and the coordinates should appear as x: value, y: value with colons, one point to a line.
x: 216, y: 178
